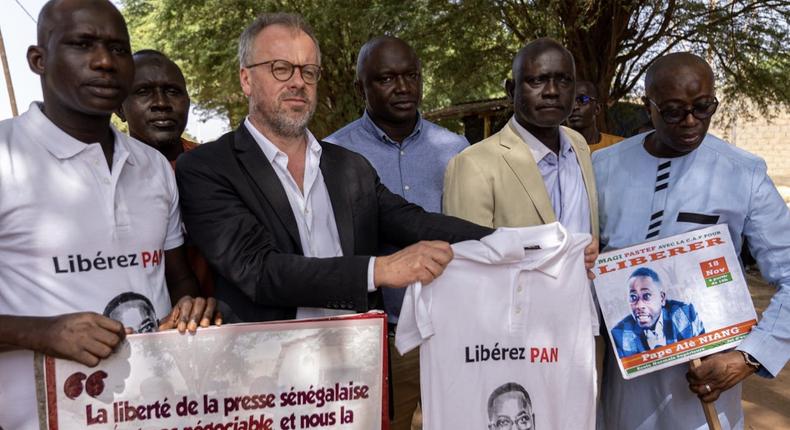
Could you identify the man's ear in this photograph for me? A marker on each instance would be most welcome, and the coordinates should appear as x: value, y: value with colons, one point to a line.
x: 509, y: 88
x: 244, y: 79
x: 360, y: 89
x: 120, y: 113
x: 663, y: 298
x: 646, y: 104
x: 36, y: 59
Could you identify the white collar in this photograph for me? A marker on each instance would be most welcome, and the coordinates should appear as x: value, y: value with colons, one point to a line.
x: 270, y: 150
x: 61, y: 144
x: 539, y: 247
x: 536, y: 147
x: 658, y: 331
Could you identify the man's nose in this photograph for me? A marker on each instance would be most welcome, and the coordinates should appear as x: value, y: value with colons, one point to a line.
x: 297, y: 80
x: 689, y: 120
x: 400, y: 84
x: 551, y: 89
x: 160, y: 101
x: 102, y: 58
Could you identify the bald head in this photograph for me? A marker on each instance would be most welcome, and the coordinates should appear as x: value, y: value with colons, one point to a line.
x: 536, y: 48
x: 374, y: 48
x: 681, y: 99
x: 152, y: 57
x: 666, y: 70
x: 542, y: 88
x: 389, y: 79
x: 157, y: 108
x: 55, y: 11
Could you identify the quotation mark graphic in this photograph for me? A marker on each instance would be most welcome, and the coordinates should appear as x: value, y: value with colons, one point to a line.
x: 94, y: 384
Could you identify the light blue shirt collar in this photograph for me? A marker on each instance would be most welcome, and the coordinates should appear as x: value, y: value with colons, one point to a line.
x: 372, y: 128
x: 536, y: 147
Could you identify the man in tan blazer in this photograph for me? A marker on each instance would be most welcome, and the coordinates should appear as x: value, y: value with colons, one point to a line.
x: 533, y: 171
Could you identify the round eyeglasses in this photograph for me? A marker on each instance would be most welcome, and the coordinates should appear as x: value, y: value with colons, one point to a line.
x: 700, y: 111
x: 283, y: 70
x: 522, y: 422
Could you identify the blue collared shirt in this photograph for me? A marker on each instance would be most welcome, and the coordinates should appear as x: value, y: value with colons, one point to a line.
x: 641, y: 198
x: 563, y: 178
x: 413, y: 169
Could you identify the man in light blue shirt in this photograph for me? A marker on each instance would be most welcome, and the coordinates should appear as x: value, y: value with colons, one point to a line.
x: 674, y: 180
x: 409, y: 154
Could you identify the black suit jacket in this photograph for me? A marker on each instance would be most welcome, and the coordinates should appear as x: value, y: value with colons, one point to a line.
x: 236, y: 211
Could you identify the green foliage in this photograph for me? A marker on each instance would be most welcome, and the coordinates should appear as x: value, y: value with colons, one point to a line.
x: 202, y: 37
x: 466, y: 46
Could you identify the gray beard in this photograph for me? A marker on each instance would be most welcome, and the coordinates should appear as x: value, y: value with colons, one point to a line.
x: 287, y: 126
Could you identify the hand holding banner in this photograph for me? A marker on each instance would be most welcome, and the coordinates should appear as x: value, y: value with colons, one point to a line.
x: 307, y: 374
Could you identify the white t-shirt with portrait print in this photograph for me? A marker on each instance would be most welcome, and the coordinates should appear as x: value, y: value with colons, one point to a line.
x: 76, y: 236
x: 513, y: 308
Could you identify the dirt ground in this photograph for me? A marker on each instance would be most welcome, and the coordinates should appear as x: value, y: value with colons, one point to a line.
x: 766, y: 402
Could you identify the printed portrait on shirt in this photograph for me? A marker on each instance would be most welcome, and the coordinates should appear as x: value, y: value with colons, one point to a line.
x: 134, y: 310
x: 510, y: 408
x: 655, y: 320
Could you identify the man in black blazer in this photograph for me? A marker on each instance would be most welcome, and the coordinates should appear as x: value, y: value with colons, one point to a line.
x: 288, y: 223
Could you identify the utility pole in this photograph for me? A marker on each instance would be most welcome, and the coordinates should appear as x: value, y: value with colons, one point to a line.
x: 7, y: 72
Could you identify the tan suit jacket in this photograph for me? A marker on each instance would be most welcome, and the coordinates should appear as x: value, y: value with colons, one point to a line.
x: 496, y: 183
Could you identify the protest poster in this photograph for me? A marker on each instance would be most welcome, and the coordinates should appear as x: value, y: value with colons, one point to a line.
x: 307, y: 374
x: 672, y: 300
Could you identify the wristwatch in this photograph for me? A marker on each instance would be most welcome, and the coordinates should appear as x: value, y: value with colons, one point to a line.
x: 750, y: 360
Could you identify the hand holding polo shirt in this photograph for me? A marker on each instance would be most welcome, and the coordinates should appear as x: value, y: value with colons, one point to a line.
x: 239, y: 214
x: 514, y: 307
x: 413, y: 169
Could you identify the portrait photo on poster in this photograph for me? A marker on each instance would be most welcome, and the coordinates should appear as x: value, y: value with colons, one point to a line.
x: 510, y: 407
x: 671, y: 300
x: 134, y: 311
x: 655, y: 319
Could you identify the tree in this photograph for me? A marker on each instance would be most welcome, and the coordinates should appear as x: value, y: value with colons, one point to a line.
x: 466, y: 46
x: 615, y: 41
x: 202, y: 37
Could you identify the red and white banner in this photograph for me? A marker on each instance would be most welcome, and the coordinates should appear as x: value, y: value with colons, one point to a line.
x: 307, y: 374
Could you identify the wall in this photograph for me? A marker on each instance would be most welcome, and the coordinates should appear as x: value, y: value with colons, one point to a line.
x: 770, y: 139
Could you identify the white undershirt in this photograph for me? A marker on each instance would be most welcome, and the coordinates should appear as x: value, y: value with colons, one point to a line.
x: 312, y: 208
x: 655, y: 337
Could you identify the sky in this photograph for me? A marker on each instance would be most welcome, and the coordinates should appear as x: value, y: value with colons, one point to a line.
x: 19, y: 32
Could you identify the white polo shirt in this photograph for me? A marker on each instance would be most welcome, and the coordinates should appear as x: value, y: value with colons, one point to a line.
x: 513, y: 308
x: 77, y: 236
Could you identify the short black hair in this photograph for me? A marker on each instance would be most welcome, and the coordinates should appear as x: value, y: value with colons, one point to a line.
x: 645, y: 272
x: 593, y: 88
x: 537, y: 47
x: 367, y: 48
x: 150, y: 52
x: 504, y: 389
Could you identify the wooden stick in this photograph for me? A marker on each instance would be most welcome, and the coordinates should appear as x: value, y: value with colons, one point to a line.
x: 709, y: 408
x: 7, y: 73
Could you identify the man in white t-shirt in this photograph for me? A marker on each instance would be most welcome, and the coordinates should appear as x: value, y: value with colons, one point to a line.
x: 511, y: 309
x: 89, y: 218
